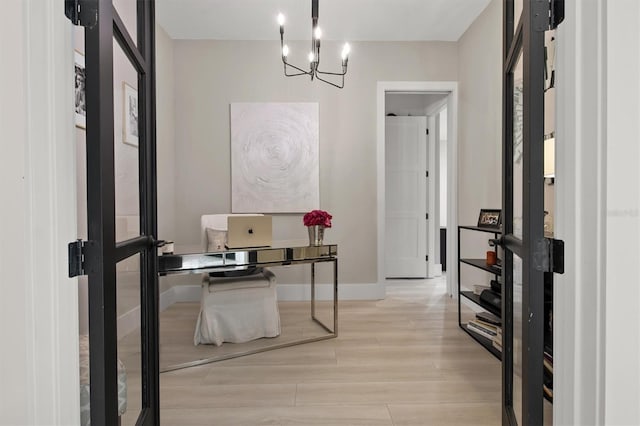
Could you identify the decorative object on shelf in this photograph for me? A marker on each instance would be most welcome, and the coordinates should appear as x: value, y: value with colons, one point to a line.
x: 316, y: 221
x: 490, y: 218
x: 314, y: 54
x: 491, y: 257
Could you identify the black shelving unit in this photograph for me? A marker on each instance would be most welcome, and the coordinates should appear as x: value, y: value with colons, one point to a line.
x: 470, y: 295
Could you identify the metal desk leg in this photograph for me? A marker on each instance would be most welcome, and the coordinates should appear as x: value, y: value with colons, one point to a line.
x: 313, y: 291
x: 335, y: 297
x: 333, y: 331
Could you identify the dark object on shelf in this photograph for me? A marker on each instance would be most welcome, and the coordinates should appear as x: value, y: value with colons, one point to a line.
x: 491, y: 301
x: 489, y: 318
x: 490, y: 218
x: 496, y: 286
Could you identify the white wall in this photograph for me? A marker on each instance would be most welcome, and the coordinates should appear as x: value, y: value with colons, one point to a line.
x: 480, y: 127
x: 210, y: 75
x: 622, y: 130
x: 480, y: 131
x: 166, y: 149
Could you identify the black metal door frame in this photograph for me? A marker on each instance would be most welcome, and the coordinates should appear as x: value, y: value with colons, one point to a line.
x: 101, y: 251
x: 528, y: 40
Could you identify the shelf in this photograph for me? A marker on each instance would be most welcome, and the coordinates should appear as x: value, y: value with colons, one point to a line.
x: 482, y: 264
x: 481, y: 229
x: 476, y: 299
x: 487, y: 343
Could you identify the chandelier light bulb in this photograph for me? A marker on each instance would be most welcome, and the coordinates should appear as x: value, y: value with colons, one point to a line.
x: 318, y: 33
x: 280, y: 19
x: 311, y: 57
x: 346, y: 49
x: 285, y: 50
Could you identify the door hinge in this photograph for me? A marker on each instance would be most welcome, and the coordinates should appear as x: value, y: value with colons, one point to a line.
x: 427, y: 172
x: 76, y: 258
x: 427, y: 216
x: 548, y: 255
x: 83, y: 13
x: 427, y: 131
x: 426, y: 258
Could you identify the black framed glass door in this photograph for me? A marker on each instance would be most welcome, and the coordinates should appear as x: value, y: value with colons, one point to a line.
x: 120, y: 254
x: 526, y: 252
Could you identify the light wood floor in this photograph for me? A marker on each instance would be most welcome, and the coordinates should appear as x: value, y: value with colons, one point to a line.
x: 398, y: 361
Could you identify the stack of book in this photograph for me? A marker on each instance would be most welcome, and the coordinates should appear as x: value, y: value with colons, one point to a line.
x: 497, y: 340
x: 485, y: 325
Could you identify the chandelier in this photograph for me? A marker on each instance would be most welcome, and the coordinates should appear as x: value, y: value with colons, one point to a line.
x: 314, y: 55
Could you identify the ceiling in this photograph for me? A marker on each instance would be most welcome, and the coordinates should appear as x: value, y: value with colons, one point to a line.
x: 341, y: 20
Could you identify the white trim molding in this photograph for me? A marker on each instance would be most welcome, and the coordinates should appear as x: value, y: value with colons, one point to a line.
x: 39, y: 312
x: 580, y: 212
x: 447, y: 87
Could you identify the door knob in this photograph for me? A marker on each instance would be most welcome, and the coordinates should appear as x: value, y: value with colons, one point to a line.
x: 493, y: 242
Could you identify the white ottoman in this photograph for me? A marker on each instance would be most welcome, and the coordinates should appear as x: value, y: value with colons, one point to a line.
x: 238, y: 309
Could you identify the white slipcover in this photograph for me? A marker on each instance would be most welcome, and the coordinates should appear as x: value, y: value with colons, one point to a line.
x: 235, y: 309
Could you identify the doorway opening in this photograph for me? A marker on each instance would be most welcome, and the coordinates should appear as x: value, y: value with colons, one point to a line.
x: 428, y: 99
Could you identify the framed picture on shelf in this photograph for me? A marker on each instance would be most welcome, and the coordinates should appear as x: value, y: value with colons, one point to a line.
x: 490, y: 218
x: 80, y: 94
x: 130, y: 116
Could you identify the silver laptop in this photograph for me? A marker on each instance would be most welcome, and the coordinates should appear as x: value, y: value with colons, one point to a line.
x: 248, y: 231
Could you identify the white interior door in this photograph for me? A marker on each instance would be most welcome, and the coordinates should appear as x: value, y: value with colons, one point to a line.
x: 406, y: 197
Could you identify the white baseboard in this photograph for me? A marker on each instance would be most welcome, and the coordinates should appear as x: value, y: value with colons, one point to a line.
x: 130, y: 321
x: 435, y: 270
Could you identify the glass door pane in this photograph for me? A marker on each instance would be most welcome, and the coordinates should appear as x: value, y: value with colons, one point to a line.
x: 128, y: 280
x: 518, y: 147
x: 517, y: 337
x: 126, y: 145
x: 517, y: 13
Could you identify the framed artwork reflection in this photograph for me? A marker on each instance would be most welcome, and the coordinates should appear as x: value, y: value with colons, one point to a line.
x: 80, y: 92
x: 130, y: 115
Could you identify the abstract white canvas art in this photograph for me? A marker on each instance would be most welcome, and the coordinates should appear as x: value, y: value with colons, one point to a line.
x: 274, y: 157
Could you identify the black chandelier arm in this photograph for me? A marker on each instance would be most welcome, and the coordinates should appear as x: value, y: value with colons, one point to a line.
x: 331, y: 83
x: 302, y: 72
x: 332, y: 73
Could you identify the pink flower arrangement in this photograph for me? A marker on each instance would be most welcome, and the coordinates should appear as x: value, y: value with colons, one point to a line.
x: 317, y: 217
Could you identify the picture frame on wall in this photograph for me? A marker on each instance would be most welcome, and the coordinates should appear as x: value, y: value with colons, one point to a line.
x: 79, y: 90
x: 490, y: 218
x: 130, y: 115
